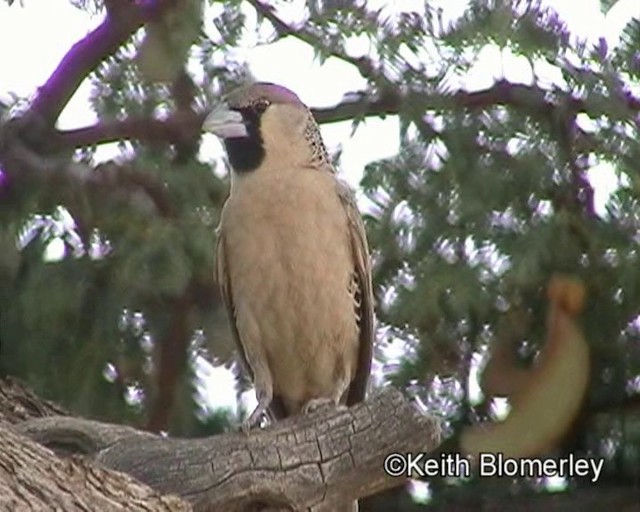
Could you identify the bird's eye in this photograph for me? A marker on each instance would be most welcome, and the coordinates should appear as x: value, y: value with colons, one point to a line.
x: 260, y: 105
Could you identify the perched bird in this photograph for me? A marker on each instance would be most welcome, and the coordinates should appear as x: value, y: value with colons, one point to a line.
x: 292, y: 258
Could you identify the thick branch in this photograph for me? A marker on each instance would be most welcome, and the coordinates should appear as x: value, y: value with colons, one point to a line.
x: 326, y: 457
x: 33, y: 478
x: 18, y: 403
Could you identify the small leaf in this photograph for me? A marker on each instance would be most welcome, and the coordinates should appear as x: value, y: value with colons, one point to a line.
x: 606, y: 5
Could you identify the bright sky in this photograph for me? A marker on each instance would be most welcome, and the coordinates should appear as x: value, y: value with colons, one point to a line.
x: 35, y: 36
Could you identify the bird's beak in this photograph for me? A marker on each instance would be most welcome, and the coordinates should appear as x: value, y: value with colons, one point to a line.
x: 225, y: 123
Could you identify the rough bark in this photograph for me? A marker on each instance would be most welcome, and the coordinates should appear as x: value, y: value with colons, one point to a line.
x: 34, y: 478
x: 315, y: 460
x: 322, y: 458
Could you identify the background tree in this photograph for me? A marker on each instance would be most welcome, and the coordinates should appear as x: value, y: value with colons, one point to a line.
x: 488, y: 196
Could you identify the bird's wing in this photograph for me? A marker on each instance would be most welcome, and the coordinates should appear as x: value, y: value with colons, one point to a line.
x: 222, y: 277
x: 363, y: 296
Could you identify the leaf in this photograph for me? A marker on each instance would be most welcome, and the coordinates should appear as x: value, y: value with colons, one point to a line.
x: 607, y: 5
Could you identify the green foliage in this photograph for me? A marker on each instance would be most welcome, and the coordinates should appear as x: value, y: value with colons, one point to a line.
x: 526, y: 27
x: 607, y: 5
x: 627, y: 57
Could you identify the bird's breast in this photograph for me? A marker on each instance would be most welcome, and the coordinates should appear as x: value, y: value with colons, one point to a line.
x: 290, y: 266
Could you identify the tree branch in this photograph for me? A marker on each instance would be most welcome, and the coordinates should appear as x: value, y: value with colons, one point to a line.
x: 84, y: 56
x: 33, y: 478
x: 364, y: 65
x: 329, y: 456
x: 142, y: 129
x: 182, y: 126
x: 171, y: 361
x: 18, y: 403
x: 364, y: 106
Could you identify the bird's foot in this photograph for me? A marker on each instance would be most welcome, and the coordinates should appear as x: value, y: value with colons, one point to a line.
x: 254, y: 419
x: 316, y: 404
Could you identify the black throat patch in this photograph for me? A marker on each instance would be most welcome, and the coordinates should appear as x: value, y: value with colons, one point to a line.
x: 247, y: 153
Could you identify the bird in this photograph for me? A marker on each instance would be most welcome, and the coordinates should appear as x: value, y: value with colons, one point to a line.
x: 292, y: 257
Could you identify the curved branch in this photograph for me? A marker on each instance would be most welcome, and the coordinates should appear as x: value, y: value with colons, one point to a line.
x: 121, y: 21
x: 530, y: 98
x: 364, y: 65
x: 328, y: 456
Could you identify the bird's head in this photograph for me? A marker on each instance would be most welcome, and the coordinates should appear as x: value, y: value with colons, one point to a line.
x: 265, y: 123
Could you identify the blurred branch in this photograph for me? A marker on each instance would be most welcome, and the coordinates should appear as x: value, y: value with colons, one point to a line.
x: 183, y: 91
x: 364, y: 106
x: 182, y: 128
x: 534, y: 100
x: 171, y: 361
x: 184, y: 125
x: 175, y: 129
x: 364, y: 65
x: 122, y: 20
x: 113, y: 6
